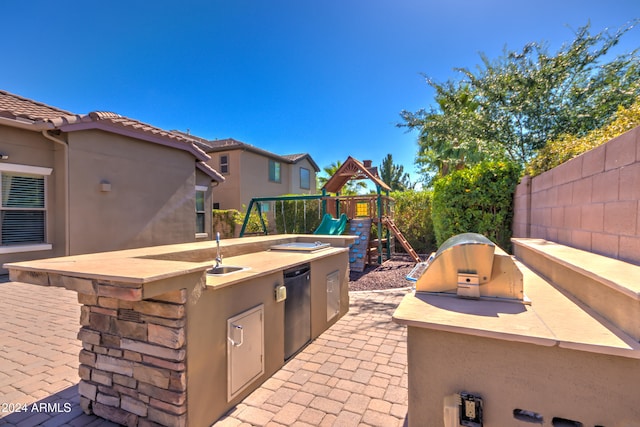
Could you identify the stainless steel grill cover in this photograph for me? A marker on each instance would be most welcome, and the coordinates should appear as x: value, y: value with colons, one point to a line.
x: 470, y: 265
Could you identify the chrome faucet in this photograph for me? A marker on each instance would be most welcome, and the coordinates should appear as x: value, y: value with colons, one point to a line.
x: 218, y: 255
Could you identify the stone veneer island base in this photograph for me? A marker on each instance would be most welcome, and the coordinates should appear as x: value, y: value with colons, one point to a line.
x: 166, y: 344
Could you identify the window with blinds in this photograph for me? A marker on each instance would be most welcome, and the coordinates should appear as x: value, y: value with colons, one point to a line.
x: 274, y: 171
x: 22, y: 214
x: 224, y: 164
x: 200, y: 212
x: 201, y: 194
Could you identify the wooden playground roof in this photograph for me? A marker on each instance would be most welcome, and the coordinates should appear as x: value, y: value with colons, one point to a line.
x: 353, y: 169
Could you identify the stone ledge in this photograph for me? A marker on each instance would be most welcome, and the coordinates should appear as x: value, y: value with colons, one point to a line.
x: 604, y: 284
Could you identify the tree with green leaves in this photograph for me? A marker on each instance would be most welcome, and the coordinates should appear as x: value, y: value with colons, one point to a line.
x: 508, y: 108
x: 558, y: 151
x: 394, y: 175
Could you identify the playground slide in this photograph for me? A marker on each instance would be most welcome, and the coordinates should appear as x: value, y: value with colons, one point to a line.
x: 330, y: 225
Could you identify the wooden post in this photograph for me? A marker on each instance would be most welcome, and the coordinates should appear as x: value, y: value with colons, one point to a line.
x: 388, y: 208
x: 378, y: 190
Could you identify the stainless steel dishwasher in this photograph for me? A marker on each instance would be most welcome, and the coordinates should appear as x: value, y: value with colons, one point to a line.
x: 297, y: 309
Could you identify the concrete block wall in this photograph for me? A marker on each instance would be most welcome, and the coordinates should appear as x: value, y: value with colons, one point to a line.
x: 591, y: 202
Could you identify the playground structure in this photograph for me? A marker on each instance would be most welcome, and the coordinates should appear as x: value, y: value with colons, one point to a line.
x: 362, y: 212
x: 330, y: 225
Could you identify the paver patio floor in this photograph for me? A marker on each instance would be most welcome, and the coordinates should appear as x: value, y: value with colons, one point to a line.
x: 354, y: 374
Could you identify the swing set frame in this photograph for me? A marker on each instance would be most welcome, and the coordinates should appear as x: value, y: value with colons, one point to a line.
x: 379, y: 206
x: 375, y: 206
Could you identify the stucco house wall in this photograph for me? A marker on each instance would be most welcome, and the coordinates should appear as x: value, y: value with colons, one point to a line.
x: 149, y: 199
x: 255, y: 178
x: 294, y: 179
x: 248, y: 173
x: 30, y: 149
x: 109, y: 183
x: 229, y: 196
x: 591, y: 202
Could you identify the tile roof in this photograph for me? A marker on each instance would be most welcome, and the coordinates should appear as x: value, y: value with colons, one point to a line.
x: 208, y: 170
x: 116, y: 120
x: 23, y: 109
x: 16, y: 107
x: 213, y: 145
x: 29, y: 112
x: 216, y: 145
x: 116, y: 123
x: 294, y: 157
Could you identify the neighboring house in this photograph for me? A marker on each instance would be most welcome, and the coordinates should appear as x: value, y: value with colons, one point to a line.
x: 252, y: 172
x: 74, y: 184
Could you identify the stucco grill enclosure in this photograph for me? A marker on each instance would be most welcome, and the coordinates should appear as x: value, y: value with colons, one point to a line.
x: 569, y: 357
x: 469, y: 265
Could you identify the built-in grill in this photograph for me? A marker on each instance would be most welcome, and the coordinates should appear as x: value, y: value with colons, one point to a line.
x: 469, y: 265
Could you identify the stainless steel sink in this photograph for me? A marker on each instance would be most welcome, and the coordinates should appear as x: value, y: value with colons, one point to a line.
x: 224, y: 270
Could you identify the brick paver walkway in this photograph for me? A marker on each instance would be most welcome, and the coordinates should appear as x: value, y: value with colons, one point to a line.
x: 354, y: 374
x: 39, y: 357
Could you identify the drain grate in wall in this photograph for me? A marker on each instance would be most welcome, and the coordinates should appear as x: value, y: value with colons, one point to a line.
x: 129, y: 315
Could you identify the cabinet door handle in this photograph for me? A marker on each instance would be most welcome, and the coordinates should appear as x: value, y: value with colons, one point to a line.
x: 237, y: 343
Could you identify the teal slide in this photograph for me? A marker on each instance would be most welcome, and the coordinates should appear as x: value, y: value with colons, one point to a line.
x: 330, y: 225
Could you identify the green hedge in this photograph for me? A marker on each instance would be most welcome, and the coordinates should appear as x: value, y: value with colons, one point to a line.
x: 297, y: 216
x: 476, y: 200
x: 229, y: 222
x: 567, y: 147
x: 412, y: 215
x: 225, y: 220
x: 254, y: 225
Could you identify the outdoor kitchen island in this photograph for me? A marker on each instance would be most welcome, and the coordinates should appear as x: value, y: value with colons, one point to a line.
x: 565, y: 353
x: 165, y: 343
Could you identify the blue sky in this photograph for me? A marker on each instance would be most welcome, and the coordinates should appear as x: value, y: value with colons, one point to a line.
x: 324, y: 77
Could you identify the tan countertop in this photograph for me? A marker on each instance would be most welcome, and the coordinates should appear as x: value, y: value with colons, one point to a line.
x: 266, y: 262
x: 146, y: 265
x: 122, y: 270
x: 551, y: 319
x: 619, y: 275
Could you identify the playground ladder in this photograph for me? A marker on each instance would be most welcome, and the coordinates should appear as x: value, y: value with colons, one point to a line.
x: 405, y: 244
x: 358, y: 252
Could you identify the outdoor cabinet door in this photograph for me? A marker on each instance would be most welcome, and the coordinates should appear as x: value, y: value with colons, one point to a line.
x: 333, y: 295
x: 245, y: 349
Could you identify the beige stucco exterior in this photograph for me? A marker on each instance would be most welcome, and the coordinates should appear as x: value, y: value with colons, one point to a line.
x: 32, y: 149
x: 151, y: 200
x: 207, y: 333
x: 561, y: 356
x: 107, y: 191
x: 230, y: 198
x: 248, y: 177
x: 594, y: 389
